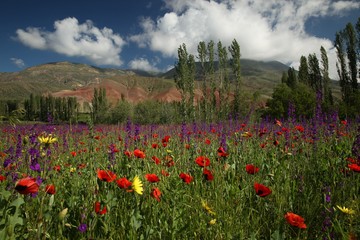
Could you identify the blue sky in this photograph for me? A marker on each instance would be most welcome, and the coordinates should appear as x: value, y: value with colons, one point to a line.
x: 145, y: 34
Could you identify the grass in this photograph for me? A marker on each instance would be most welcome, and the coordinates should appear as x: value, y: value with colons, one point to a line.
x: 306, y: 171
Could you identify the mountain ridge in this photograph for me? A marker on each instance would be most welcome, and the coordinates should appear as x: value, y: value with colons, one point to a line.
x: 67, y: 79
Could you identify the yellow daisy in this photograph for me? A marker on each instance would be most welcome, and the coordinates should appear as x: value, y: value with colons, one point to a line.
x: 137, y: 185
x: 47, y: 139
x: 346, y: 210
x: 212, y: 221
x: 207, y: 207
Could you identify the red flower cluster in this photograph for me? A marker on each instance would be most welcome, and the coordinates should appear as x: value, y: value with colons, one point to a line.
x: 251, y: 169
x: 98, y: 207
x: 202, y: 161
x: 354, y: 167
x: 156, y: 193
x: 123, y: 183
x: 106, y: 175
x: 295, y: 220
x: 2, y: 178
x: 152, y: 177
x: 186, y: 178
x: 50, y: 189
x: 261, y: 190
x: 27, y: 185
x: 221, y: 152
x: 208, y: 175
x: 156, y: 160
x: 139, y: 154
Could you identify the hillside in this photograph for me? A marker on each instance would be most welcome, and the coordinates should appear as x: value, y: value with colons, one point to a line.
x: 62, y: 79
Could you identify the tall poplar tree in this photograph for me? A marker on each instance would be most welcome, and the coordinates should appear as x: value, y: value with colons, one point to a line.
x: 234, y: 49
x: 327, y: 96
x: 304, y: 71
x: 224, y: 81
x: 184, y: 79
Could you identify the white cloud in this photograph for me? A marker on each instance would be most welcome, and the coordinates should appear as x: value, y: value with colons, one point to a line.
x: 265, y: 29
x: 18, y: 62
x: 143, y: 64
x: 100, y: 46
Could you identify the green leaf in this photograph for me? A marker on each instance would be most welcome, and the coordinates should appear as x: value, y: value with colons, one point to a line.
x: 17, y: 202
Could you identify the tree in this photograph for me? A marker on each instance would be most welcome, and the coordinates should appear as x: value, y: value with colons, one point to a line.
x: 224, y: 81
x: 351, y: 41
x: 292, y: 79
x: 184, y: 79
x: 303, y: 71
x: 100, y: 106
x: 328, y: 100
x: 234, y: 49
x: 341, y: 68
x: 314, y: 73
x: 202, y: 55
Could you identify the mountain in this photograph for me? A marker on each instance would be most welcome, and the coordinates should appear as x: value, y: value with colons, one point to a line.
x: 62, y: 79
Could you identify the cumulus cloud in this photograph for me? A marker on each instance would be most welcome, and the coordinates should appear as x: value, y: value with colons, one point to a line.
x: 100, y: 46
x: 265, y: 29
x: 143, y: 64
x: 18, y: 62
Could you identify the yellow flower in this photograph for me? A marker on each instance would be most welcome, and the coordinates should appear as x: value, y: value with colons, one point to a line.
x: 47, y: 140
x: 168, y: 151
x: 212, y: 221
x: 207, y: 208
x: 137, y: 185
x: 72, y: 169
x: 346, y: 210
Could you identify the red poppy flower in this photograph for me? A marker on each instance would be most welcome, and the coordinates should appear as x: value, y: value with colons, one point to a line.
x: 128, y: 153
x: 98, y: 207
x: 2, y: 178
x: 164, y: 173
x: 295, y: 220
x: 106, y: 175
x: 155, y: 145
x: 139, y: 154
x: 73, y: 153
x: 27, y: 185
x: 123, y: 183
x: 261, y: 190
x: 207, y: 141
x: 57, y: 168
x: 165, y: 139
x: 156, y: 193
x: 251, y: 169
x: 221, y: 152
x: 299, y: 128
x: 156, y: 160
x: 186, y: 178
x: 202, y: 161
x: 50, y: 189
x: 152, y: 177
x: 208, y: 175
x: 355, y: 167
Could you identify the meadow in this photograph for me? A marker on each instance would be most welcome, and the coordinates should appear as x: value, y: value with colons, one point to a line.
x: 238, y: 179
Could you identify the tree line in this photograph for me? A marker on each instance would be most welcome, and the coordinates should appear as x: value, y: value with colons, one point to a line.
x: 308, y: 89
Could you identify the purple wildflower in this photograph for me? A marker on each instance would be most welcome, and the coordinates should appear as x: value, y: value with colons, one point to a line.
x: 83, y: 227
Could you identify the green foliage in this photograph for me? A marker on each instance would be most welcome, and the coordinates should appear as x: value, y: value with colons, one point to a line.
x: 11, y: 216
x: 153, y: 112
x: 120, y: 113
x: 302, y: 98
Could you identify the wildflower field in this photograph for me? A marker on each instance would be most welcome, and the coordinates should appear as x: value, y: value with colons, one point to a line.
x: 238, y: 179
